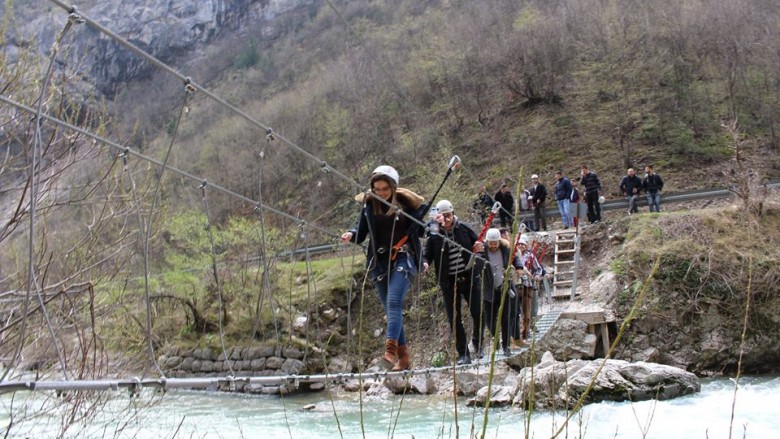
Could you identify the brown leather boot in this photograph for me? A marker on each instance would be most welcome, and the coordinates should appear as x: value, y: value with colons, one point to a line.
x: 404, y: 360
x: 388, y: 360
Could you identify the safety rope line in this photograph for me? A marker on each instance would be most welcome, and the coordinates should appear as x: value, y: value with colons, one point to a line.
x: 156, y: 62
x: 263, y: 245
x: 307, y: 266
x: 168, y: 167
x: 148, y: 232
x: 217, y: 282
x: 34, y: 184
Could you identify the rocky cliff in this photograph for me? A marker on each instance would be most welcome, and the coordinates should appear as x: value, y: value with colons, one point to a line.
x: 171, y: 30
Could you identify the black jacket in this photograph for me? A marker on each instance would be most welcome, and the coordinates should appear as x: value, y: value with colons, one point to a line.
x: 506, y: 200
x: 539, y: 193
x: 628, y: 184
x: 412, y: 205
x: 652, y: 183
x: 591, y: 182
x: 437, y: 250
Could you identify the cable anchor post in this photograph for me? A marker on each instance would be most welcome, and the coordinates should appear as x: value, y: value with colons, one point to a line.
x: 124, y: 155
x: 74, y: 17
x: 188, y: 85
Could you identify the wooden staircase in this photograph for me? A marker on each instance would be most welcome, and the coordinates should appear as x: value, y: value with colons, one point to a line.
x: 565, y: 264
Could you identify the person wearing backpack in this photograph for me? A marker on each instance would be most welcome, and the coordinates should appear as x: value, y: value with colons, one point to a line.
x: 532, y: 271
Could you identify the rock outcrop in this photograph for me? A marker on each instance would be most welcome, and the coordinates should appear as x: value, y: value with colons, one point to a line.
x: 164, y: 29
x: 555, y: 384
x: 558, y: 384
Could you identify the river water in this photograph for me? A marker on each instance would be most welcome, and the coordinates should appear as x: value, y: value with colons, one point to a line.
x: 705, y: 415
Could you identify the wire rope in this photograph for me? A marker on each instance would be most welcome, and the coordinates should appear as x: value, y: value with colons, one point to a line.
x: 156, y: 62
x: 180, y: 172
x: 263, y: 245
x: 213, y: 253
x: 148, y: 232
x: 34, y: 179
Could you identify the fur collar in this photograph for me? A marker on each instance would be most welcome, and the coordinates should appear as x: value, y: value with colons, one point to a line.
x: 404, y: 196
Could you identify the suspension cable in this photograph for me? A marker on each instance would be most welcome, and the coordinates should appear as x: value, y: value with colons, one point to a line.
x: 170, y: 168
x: 155, y: 61
x: 34, y: 179
x: 218, y: 284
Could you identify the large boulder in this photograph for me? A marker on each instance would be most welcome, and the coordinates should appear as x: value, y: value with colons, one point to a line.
x: 558, y: 384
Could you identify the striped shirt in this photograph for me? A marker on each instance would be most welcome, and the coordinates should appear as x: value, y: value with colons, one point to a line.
x: 457, y: 264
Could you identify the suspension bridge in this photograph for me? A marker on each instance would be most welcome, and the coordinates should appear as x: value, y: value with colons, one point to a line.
x: 542, y: 324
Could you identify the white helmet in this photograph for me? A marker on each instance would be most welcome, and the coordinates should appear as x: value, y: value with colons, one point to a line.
x: 388, y: 171
x: 523, y: 239
x: 493, y: 235
x: 534, y: 176
x: 602, y: 199
x: 444, y: 206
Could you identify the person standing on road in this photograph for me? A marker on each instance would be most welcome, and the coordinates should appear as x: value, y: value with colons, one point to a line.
x: 504, y: 197
x: 562, y: 197
x: 631, y: 186
x: 393, y: 249
x: 539, y: 199
x: 592, y: 185
x: 653, y: 184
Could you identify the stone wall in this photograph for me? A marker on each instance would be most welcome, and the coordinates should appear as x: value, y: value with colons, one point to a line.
x: 245, y: 361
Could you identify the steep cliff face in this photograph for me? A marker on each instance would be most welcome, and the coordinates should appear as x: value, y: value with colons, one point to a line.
x: 167, y: 29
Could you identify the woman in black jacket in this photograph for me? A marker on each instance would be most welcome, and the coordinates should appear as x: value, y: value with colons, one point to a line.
x: 393, y: 253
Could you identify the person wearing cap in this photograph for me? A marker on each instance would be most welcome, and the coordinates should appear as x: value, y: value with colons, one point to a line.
x: 507, y: 201
x: 532, y: 271
x: 457, y: 280
x: 630, y: 186
x: 538, y: 196
x: 563, y: 197
x: 392, y: 254
x: 590, y: 181
x: 497, y: 253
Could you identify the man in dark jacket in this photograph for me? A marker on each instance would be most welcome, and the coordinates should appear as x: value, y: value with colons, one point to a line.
x: 458, y: 281
x: 653, y: 184
x: 630, y: 186
x: 539, y: 199
x: 563, y: 191
x: 482, y: 204
x: 590, y: 181
x: 507, y: 201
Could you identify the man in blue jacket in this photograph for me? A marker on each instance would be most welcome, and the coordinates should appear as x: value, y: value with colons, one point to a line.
x: 563, y: 197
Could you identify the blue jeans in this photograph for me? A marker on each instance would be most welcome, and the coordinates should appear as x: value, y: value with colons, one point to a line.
x: 654, y: 199
x: 632, y: 200
x: 392, y: 287
x: 563, y: 208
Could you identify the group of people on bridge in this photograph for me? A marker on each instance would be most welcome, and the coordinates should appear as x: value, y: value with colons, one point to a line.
x: 468, y: 268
